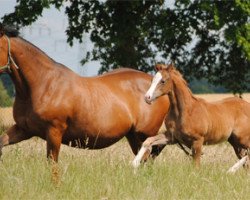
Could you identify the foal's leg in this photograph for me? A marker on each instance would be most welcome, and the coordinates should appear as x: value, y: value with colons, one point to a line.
x: 147, y: 147
x: 156, y: 149
x: 197, y: 150
x: 13, y: 135
x: 135, y: 143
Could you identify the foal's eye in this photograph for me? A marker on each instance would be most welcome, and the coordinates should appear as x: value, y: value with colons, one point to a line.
x: 163, y: 81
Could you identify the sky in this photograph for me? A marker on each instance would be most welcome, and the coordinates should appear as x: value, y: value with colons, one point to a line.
x: 48, y: 34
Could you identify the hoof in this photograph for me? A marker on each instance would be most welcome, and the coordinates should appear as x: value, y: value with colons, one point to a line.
x: 136, y: 163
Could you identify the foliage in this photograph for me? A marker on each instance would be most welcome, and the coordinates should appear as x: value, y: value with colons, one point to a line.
x: 206, y: 39
x: 5, y: 99
x: 219, y: 54
x: 203, y: 87
x: 8, y: 84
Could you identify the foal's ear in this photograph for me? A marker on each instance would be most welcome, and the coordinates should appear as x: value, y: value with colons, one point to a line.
x: 159, y: 67
x: 171, y: 66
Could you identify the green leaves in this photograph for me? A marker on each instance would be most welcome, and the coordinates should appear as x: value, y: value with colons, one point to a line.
x: 208, y: 39
x: 26, y: 12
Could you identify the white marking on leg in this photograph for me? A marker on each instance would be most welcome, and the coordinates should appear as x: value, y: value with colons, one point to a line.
x: 237, y: 165
x: 136, y: 162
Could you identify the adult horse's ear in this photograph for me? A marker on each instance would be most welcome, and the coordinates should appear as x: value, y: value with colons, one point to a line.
x: 159, y: 67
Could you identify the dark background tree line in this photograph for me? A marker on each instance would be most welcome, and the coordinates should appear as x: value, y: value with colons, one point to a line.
x: 206, y: 39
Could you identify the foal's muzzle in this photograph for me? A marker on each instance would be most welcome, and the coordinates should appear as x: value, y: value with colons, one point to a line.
x: 148, y: 99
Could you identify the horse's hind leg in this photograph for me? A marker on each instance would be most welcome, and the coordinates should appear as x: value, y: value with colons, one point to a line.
x: 134, y: 142
x: 240, y: 151
x: 13, y: 135
x: 156, y: 150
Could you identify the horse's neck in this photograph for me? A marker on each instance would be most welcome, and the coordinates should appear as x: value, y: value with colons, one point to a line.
x: 174, y: 110
x: 181, y: 99
x: 21, y: 87
x: 32, y: 64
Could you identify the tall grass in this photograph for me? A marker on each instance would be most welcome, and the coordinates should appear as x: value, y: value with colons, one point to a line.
x: 107, y: 174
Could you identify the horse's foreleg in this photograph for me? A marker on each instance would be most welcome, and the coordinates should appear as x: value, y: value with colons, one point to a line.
x: 147, y: 148
x: 196, y: 151
x: 13, y: 135
x: 54, y: 140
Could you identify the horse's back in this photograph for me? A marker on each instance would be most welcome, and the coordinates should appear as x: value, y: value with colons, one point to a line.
x: 122, y: 73
x: 226, y: 116
x: 232, y: 104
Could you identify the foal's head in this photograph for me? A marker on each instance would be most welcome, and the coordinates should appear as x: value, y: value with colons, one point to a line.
x: 162, y: 82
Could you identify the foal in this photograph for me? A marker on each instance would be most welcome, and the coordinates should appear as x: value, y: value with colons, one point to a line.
x: 193, y: 121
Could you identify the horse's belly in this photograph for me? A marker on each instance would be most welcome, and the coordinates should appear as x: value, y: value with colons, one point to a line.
x: 91, y: 141
x: 215, y: 137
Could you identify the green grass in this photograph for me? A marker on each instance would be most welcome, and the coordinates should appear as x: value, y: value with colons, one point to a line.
x: 107, y: 174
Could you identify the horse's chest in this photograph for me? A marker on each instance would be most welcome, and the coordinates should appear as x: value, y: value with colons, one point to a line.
x: 30, y: 122
x: 171, y: 126
x: 176, y: 131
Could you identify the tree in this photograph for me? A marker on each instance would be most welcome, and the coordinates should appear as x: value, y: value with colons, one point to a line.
x: 7, y: 84
x: 206, y: 39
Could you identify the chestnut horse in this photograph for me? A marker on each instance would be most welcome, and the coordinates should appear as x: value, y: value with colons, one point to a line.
x: 57, y: 105
x: 193, y: 121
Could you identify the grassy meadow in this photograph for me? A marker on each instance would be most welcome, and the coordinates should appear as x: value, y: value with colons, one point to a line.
x: 107, y: 174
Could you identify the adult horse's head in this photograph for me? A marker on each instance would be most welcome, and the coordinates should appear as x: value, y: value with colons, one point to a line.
x: 161, y: 84
x: 5, y: 48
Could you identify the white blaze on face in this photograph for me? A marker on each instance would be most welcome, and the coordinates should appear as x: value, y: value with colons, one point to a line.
x: 157, y: 78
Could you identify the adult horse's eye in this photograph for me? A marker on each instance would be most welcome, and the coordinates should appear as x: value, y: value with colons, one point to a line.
x: 163, y: 81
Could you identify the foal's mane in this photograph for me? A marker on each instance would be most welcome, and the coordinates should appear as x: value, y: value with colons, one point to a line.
x: 180, y: 77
